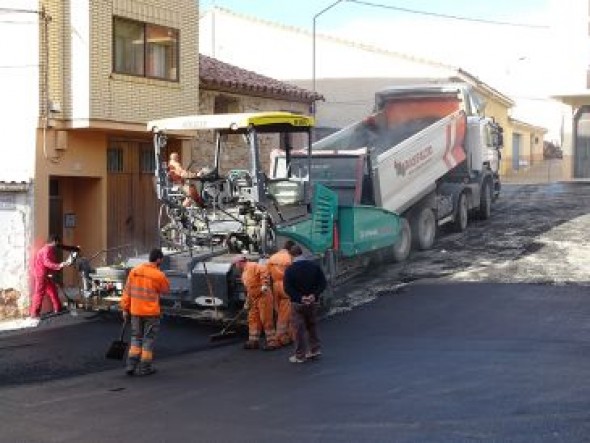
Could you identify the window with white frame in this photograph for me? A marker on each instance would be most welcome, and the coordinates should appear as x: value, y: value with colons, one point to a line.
x: 145, y: 49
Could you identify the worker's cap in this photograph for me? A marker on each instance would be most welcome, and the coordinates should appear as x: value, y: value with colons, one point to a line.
x: 239, y: 259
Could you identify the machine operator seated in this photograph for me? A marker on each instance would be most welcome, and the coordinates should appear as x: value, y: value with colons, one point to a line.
x: 181, y: 177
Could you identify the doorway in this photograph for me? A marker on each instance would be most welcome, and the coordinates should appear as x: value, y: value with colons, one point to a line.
x: 75, y: 215
x: 516, y: 143
x: 582, y: 143
x: 56, y: 218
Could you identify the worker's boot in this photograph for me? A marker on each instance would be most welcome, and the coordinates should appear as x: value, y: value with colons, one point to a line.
x: 251, y: 344
x: 271, y: 345
x: 146, y: 368
x: 132, y: 364
x: 285, y: 340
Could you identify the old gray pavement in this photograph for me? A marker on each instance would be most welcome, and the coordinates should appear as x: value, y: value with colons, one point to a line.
x: 484, y: 344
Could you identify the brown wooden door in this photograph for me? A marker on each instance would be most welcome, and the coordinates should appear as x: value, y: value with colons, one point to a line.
x: 132, y: 203
x: 56, y: 214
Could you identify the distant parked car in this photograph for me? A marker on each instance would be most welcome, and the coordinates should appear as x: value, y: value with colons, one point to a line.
x: 551, y: 150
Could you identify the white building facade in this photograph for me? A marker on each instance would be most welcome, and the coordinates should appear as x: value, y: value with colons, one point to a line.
x: 570, y: 81
x: 22, y: 25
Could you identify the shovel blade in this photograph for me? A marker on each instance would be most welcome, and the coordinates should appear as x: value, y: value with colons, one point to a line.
x: 226, y: 335
x: 117, y: 350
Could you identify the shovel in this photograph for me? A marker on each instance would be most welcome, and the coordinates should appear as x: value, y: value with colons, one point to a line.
x: 118, y: 348
x: 225, y: 332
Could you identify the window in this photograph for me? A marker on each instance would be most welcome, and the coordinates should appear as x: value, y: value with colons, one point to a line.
x: 114, y: 160
x: 145, y: 50
x: 147, y: 159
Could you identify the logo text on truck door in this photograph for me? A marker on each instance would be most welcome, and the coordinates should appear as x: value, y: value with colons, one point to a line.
x: 420, y: 157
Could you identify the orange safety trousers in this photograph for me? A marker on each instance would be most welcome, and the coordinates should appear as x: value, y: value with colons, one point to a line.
x: 260, y: 318
x: 282, y: 304
x: 144, y: 331
x: 260, y: 314
x: 277, y: 264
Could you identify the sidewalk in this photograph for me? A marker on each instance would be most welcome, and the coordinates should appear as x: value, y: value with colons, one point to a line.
x: 16, y: 324
x: 543, y: 171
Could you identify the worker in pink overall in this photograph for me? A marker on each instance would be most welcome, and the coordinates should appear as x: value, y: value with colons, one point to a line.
x: 43, y: 265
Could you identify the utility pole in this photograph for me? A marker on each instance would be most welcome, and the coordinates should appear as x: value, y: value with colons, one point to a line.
x: 313, y: 59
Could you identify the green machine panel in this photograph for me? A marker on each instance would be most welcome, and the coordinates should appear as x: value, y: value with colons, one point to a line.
x: 317, y: 232
x: 366, y: 228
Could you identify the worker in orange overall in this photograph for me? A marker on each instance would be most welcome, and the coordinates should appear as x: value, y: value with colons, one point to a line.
x: 277, y: 263
x: 258, y: 302
x: 141, y: 302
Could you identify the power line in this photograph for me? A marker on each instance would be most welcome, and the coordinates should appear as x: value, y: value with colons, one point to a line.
x: 447, y: 16
x: 17, y: 11
x: 18, y: 22
x: 18, y: 66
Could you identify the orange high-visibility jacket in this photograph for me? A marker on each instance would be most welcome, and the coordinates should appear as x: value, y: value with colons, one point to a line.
x: 145, y: 284
x: 277, y: 263
x: 254, y: 276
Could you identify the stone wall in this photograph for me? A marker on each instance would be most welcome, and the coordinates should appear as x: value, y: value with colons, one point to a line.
x: 15, y: 219
x: 12, y: 304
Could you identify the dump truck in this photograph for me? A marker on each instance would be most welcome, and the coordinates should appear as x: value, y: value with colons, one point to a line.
x: 426, y: 153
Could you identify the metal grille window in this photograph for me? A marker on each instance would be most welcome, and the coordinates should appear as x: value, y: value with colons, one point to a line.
x: 145, y: 49
x: 114, y: 160
x: 147, y: 160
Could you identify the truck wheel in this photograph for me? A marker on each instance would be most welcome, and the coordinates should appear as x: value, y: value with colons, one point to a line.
x: 401, y: 249
x: 461, y: 214
x: 424, y: 229
x: 485, y: 202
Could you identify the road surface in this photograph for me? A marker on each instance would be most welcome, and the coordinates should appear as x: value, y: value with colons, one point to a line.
x: 484, y: 338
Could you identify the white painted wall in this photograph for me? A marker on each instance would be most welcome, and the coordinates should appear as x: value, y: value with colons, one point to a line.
x: 15, y: 219
x: 569, y: 49
x: 568, y: 59
x: 80, y: 20
x: 19, y: 89
x: 285, y: 53
x: 19, y: 112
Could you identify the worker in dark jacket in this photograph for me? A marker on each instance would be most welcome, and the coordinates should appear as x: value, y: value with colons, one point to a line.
x: 303, y: 282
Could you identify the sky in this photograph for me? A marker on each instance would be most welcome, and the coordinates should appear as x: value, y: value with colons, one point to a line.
x: 300, y: 13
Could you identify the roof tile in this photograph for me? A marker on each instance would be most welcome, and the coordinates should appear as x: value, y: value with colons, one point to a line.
x: 213, y: 72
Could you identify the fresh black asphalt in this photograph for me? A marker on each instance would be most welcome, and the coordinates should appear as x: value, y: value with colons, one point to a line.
x: 435, y: 362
